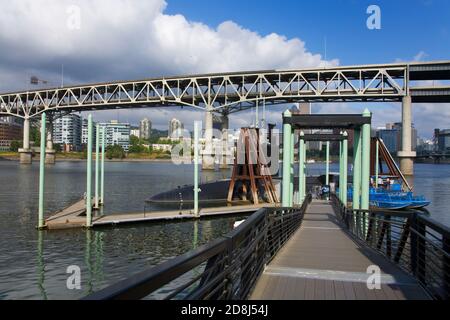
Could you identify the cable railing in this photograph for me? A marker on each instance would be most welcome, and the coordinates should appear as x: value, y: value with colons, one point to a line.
x: 413, y: 241
x: 224, y: 269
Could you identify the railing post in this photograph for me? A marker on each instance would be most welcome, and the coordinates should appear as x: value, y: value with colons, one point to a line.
x: 418, y: 248
x: 446, y: 263
x: 287, y: 131
x: 42, y: 173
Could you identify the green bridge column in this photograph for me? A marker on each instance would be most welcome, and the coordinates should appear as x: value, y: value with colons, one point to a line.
x: 365, y: 172
x: 291, y: 186
x: 357, y: 170
x: 196, y: 163
x: 377, y: 168
x: 102, y: 177
x: 345, y: 168
x: 327, y: 165
x: 304, y: 170
x: 301, y: 168
x: 287, y: 133
x: 42, y: 172
x: 341, y: 169
x: 97, y: 167
x: 89, y: 175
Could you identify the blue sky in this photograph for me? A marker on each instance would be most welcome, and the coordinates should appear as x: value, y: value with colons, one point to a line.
x: 408, y: 26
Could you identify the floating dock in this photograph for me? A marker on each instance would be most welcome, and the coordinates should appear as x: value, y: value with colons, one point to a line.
x: 74, y: 216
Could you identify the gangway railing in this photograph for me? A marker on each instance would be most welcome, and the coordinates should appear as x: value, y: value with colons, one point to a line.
x: 224, y: 269
x: 411, y: 240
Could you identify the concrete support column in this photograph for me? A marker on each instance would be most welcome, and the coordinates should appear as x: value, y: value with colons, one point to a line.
x: 208, y: 159
x: 25, y: 152
x: 406, y: 155
x: 50, y: 153
x: 226, y: 152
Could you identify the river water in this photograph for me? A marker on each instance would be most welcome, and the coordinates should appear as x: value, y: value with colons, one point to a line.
x: 33, y: 264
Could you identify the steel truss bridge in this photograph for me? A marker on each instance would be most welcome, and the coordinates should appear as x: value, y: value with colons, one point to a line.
x: 233, y: 92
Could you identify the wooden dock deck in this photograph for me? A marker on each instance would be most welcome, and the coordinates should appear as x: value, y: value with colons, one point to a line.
x: 322, y: 262
x: 74, y: 216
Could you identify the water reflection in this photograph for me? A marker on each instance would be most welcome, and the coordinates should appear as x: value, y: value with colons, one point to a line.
x: 41, y: 265
x: 34, y: 264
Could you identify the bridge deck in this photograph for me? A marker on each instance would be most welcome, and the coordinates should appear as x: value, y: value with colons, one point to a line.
x: 321, y: 261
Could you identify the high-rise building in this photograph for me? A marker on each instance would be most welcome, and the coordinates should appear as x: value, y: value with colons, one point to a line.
x: 392, y: 137
x: 145, y: 129
x: 67, y: 132
x: 134, y: 131
x: 443, y: 140
x: 84, y: 132
x: 175, y: 128
x: 117, y: 134
x: 10, y: 130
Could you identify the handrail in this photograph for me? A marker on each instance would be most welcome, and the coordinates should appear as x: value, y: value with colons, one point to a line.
x: 416, y: 243
x: 227, y: 268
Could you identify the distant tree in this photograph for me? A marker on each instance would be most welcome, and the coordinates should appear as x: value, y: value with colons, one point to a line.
x: 115, y: 152
x: 35, y: 136
x: 58, y: 147
x: 15, y: 146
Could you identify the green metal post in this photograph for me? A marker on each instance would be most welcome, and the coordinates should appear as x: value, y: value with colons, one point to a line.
x: 327, y: 165
x: 42, y: 172
x: 377, y: 159
x: 365, y: 172
x: 345, y: 168
x: 97, y: 166
x: 357, y: 170
x: 287, y: 133
x: 102, y: 178
x: 291, y: 186
x: 304, y: 170
x: 340, y: 170
x: 301, y: 168
x: 89, y: 175
x: 196, y: 163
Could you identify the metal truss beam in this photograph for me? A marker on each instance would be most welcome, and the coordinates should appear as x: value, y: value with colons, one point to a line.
x: 230, y: 92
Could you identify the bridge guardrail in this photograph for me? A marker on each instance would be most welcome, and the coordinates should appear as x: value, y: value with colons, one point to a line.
x: 416, y: 243
x: 224, y: 269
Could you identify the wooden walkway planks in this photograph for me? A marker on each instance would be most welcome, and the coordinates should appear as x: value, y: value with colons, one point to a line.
x: 74, y: 216
x: 322, y: 262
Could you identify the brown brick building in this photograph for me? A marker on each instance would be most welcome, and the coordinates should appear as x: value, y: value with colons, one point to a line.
x: 10, y: 129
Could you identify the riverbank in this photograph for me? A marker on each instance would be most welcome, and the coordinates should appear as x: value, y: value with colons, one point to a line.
x: 79, y: 157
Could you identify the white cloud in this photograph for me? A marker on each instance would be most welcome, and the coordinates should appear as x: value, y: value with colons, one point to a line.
x: 127, y: 39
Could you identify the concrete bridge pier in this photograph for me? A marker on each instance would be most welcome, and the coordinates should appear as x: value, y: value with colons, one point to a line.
x: 208, y: 158
x: 406, y: 155
x: 25, y: 152
x: 50, y: 153
x: 226, y: 152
